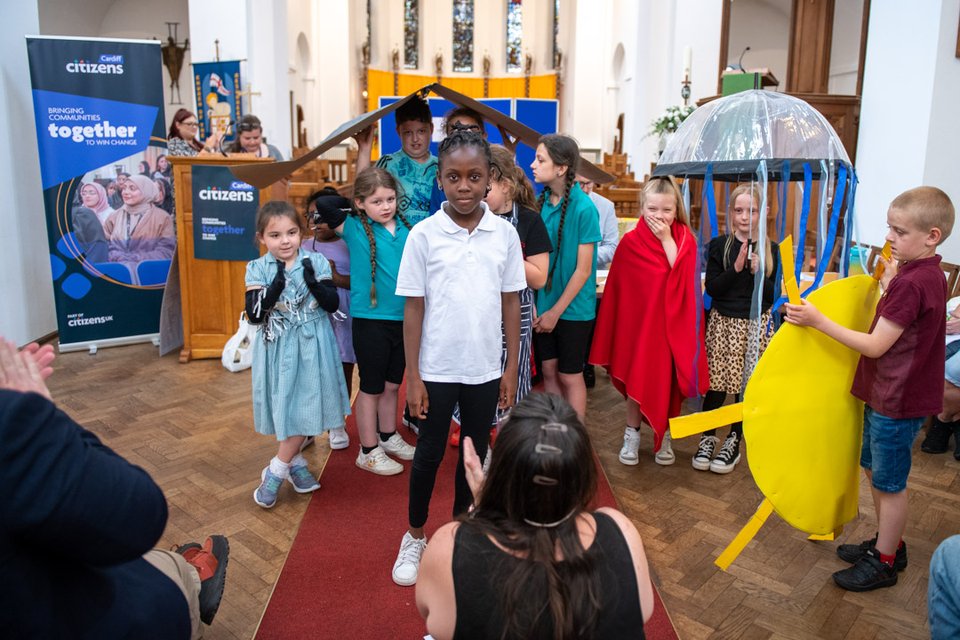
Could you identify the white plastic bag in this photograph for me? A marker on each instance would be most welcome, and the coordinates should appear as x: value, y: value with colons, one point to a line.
x: 238, y: 352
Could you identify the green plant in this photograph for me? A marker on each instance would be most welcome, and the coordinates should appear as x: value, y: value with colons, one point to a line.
x: 670, y: 120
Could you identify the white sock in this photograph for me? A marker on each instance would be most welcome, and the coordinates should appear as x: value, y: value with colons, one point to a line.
x: 298, y: 461
x: 279, y: 468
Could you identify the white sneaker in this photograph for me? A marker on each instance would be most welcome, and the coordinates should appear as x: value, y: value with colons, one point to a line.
x: 629, y: 452
x: 378, y: 462
x: 398, y: 448
x: 407, y: 566
x: 339, y: 439
x: 665, y: 456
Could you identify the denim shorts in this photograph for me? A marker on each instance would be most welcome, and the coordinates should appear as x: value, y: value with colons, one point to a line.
x: 952, y: 368
x: 887, y: 449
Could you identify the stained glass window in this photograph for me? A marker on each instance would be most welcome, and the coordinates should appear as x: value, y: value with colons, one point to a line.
x: 514, y: 35
x: 411, y: 34
x: 463, y: 35
x: 556, y: 33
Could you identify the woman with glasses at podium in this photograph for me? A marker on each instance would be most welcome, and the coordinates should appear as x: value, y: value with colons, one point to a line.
x: 182, y: 137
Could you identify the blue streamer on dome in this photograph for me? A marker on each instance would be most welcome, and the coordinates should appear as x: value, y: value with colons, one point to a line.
x: 831, y: 230
x: 848, y: 222
x: 782, y: 200
x: 711, y: 200
x: 800, y: 241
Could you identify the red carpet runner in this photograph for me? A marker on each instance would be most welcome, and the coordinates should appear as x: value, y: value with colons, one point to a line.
x: 336, y: 581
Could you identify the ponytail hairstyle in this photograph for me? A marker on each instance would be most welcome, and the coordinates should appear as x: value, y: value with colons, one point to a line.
x: 534, y: 494
x: 505, y: 169
x: 565, y: 152
x: 753, y: 191
x: 367, y: 182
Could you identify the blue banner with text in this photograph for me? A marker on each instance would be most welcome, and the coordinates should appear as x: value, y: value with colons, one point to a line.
x: 98, y: 109
x: 224, y: 215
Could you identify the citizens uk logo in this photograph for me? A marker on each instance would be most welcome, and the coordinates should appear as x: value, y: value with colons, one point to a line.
x: 107, y: 63
x: 238, y: 192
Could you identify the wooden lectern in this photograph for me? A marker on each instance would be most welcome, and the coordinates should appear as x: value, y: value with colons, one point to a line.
x: 211, y: 291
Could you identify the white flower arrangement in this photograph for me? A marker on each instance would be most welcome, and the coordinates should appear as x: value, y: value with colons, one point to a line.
x: 670, y: 120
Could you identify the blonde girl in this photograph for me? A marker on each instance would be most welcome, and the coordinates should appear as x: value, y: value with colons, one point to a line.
x: 375, y: 233
x: 733, y: 277
x: 298, y: 386
x: 649, y: 332
x: 566, y: 305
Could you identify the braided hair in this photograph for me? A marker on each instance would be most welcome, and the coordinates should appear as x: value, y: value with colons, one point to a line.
x: 367, y: 182
x: 463, y: 138
x: 565, y: 152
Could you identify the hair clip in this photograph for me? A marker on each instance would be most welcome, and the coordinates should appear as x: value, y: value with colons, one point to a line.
x: 550, y: 525
x: 554, y: 426
x: 547, y: 448
x: 545, y: 481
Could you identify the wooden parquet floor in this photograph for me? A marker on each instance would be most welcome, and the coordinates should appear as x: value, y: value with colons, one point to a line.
x: 190, y: 427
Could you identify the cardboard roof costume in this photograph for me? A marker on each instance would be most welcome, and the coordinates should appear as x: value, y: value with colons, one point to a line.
x: 649, y: 337
x: 263, y: 175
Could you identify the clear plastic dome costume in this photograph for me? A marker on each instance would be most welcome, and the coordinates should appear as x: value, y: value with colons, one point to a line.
x: 759, y: 136
x: 734, y: 133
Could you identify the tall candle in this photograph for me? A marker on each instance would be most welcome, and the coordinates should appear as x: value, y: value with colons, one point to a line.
x: 687, y: 62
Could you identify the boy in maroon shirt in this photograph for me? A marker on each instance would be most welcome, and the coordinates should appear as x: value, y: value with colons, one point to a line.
x: 899, y: 374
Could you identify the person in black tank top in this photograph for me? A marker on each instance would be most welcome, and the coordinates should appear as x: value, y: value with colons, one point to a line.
x: 530, y: 561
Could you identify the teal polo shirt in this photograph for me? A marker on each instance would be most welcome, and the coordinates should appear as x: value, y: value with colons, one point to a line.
x: 416, y: 180
x: 389, y: 250
x: 581, y: 226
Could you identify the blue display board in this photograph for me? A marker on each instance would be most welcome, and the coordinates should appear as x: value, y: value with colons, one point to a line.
x: 539, y: 115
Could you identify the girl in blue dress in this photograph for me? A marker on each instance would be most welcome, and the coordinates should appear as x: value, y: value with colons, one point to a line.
x: 298, y: 385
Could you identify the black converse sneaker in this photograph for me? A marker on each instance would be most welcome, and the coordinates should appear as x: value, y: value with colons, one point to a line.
x: 729, y: 455
x: 708, y: 446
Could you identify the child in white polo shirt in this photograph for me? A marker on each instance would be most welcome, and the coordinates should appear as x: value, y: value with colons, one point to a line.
x: 461, y: 272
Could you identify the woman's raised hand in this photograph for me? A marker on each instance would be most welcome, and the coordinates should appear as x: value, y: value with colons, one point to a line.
x: 473, y: 467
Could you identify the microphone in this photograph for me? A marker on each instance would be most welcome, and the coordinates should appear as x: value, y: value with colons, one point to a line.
x: 220, y: 143
x: 740, y: 61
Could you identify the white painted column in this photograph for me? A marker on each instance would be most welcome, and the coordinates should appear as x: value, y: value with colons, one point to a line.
x: 268, y: 69
x: 909, y: 134
x: 584, y: 89
x: 337, y: 69
x: 25, y: 281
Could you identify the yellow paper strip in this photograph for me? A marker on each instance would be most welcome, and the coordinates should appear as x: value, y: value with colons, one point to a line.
x: 789, y: 279
x: 827, y: 536
x: 746, y: 535
x: 886, y: 252
x: 699, y: 422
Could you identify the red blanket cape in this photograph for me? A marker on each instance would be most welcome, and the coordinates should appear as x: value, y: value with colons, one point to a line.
x: 650, y: 329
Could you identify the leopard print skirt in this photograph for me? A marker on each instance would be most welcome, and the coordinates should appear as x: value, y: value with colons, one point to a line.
x: 729, y: 342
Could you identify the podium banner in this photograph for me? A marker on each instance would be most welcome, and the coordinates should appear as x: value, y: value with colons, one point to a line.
x: 98, y: 109
x: 224, y: 215
x: 217, y: 86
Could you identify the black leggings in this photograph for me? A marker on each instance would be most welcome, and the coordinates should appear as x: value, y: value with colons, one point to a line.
x: 478, y: 407
x: 714, y: 400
